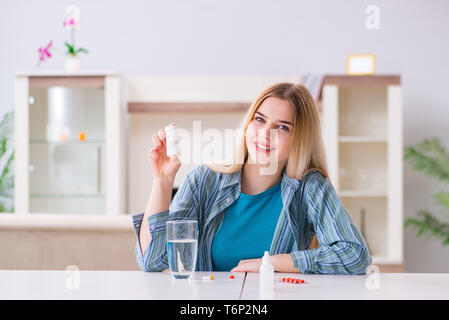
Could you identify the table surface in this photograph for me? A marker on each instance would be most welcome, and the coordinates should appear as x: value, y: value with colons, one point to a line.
x: 26, y: 284
x: 375, y: 286
x: 62, y: 285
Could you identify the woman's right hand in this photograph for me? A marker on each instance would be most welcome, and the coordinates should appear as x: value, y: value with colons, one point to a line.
x: 163, y: 167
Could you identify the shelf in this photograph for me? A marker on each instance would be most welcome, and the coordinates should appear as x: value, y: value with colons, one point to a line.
x: 362, y: 129
x: 188, y: 106
x: 87, y: 141
x: 378, y: 259
x: 376, y: 217
x: 357, y: 81
x: 363, y: 166
x: 362, y: 112
x: 65, y: 196
x: 361, y: 139
x: 362, y: 193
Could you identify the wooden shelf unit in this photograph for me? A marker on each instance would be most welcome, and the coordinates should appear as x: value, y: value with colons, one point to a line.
x: 362, y: 131
x: 69, y: 175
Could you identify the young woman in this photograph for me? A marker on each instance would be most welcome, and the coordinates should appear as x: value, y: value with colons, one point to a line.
x: 242, y: 211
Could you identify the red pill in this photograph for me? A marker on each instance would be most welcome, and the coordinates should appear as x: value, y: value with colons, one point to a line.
x: 231, y: 277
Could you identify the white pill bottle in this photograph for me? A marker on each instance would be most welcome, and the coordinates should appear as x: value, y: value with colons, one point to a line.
x: 266, y: 274
x: 172, y: 139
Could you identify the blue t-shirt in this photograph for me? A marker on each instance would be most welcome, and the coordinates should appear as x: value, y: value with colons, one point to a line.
x: 247, y: 229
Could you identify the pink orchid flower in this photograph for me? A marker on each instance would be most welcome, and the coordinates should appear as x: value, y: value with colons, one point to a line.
x: 44, y: 53
x: 70, y: 23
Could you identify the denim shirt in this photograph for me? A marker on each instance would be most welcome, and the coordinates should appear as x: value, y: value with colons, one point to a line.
x: 310, y: 206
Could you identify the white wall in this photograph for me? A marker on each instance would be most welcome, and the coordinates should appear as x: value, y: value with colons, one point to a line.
x: 234, y: 37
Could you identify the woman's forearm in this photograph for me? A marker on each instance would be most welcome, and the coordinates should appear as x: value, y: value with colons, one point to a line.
x: 159, y: 201
x: 283, y: 263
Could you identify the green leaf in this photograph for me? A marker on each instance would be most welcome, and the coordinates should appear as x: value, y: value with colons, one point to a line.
x: 429, y: 225
x: 442, y: 199
x: 429, y: 156
x: 446, y: 241
x: 82, y: 50
x: 7, y: 174
x: 70, y: 47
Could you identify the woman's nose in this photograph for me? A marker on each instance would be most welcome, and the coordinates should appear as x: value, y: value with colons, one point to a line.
x: 266, y: 134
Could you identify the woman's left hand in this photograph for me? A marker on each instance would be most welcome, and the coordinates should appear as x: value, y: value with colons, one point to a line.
x: 249, y: 265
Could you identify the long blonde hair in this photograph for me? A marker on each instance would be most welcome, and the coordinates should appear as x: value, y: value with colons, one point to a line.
x: 307, y: 150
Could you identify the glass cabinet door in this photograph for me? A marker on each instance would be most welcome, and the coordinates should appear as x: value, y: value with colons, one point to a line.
x: 66, y: 149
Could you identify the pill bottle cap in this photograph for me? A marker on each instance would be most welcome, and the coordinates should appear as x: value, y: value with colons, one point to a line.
x: 171, y: 127
x: 266, y: 260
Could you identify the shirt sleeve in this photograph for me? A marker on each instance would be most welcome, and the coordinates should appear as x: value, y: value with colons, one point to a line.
x: 183, y: 206
x: 343, y: 249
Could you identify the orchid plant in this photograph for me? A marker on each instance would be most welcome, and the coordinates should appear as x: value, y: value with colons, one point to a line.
x: 44, y: 53
x: 71, y: 23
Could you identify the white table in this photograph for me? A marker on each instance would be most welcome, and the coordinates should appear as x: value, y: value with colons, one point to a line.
x: 59, y: 285
x: 380, y: 286
x: 24, y: 284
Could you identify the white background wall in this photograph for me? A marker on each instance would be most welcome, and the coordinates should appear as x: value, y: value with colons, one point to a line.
x: 235, y: 37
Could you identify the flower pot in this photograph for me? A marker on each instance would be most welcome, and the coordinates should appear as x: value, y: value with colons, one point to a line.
x: 72, y: 64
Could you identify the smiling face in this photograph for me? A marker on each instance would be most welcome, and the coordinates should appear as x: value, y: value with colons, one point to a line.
x: 270, y: 132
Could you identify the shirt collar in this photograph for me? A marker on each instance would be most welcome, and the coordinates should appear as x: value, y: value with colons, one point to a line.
x: 234, y: 178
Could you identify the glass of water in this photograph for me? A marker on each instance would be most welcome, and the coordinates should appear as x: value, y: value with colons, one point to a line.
x: 182, y: 246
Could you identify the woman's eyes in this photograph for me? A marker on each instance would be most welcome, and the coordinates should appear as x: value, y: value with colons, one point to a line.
x: 259, y: 119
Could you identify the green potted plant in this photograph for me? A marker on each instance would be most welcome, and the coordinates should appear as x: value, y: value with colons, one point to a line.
x: 72, y: 63
x: 432, y: 158
x: 6, y: 163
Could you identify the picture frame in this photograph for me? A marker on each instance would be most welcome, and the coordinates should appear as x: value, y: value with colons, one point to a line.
x: 360, y: 64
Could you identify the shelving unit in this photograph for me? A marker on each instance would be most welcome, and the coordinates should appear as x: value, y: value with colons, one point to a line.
x: 362, y: 130
x: 69, y: 151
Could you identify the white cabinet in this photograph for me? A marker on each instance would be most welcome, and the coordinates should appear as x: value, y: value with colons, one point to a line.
x: 362, y: 131
x: 69, y: 143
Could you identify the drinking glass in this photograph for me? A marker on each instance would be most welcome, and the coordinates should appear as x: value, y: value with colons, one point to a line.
x: 182, y: 247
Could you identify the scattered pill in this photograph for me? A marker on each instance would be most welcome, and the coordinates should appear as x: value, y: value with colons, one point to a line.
x: 291, y: 280
x: 231, y: 277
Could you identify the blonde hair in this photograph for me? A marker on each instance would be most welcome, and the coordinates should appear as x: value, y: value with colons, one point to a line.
x: 307, y: 149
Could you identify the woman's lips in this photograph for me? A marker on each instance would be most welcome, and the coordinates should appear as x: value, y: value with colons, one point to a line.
x: 263, y: 147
